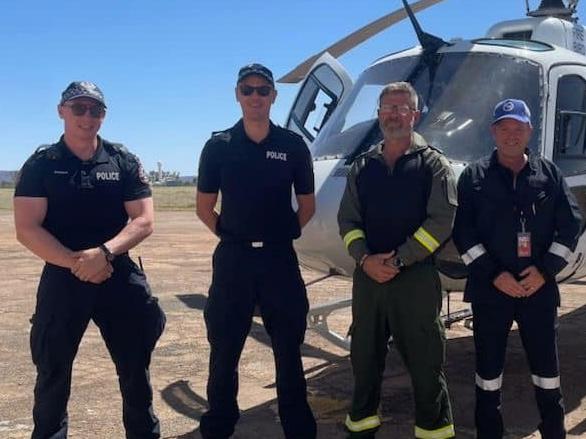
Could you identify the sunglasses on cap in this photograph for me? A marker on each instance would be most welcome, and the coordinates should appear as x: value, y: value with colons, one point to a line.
x: 79, y: 109
x: 247, y: 90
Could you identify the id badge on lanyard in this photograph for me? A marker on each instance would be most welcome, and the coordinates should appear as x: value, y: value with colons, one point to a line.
x: 523, y: 241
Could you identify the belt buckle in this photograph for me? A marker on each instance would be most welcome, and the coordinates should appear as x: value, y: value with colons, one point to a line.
x: 257, y: 244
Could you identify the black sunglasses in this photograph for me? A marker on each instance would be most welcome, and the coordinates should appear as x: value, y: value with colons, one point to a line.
x: 263, y: 90
x: 79, y: 109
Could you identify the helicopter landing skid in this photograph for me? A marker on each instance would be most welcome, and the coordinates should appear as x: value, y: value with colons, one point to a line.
x: 317, y: 320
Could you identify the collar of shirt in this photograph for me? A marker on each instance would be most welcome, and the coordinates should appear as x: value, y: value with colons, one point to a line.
x: 418, y: 143
x: 100, y: 156
x: 239, y: 133
x: 532, y: 162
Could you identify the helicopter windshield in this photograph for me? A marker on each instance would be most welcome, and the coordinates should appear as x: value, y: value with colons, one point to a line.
x: 456, y: 103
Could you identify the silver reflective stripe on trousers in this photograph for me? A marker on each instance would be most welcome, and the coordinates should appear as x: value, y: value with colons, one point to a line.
x: 546, y: 383
x: 489, y: 385
x: 473, y: 253
x: 560, y: 250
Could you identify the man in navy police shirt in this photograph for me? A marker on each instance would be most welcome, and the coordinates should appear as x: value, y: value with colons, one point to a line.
x: 254, y: 165
x: 80, y: 205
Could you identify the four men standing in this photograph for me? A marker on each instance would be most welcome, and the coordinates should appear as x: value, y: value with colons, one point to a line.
x: 83, y: 202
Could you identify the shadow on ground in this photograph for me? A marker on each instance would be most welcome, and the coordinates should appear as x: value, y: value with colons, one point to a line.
x: 330, y: 388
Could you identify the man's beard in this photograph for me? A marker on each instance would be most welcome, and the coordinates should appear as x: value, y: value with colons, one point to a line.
x: 398, y: 131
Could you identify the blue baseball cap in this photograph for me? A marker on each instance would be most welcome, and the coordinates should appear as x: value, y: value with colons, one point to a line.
x: 512, y: 109
x: 256, y: 69
x: 83, y: 89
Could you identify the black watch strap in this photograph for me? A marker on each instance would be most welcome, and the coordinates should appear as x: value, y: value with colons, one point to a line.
x: 109, y: 255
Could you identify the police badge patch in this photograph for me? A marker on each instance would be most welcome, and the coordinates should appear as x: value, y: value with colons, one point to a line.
x: 142, y: 175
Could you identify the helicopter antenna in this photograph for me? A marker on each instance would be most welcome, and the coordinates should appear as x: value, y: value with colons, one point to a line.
x: 354, y: 39
x: 430, y: 43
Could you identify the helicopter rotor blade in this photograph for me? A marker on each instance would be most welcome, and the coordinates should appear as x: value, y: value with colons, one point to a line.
x: 354, y: 39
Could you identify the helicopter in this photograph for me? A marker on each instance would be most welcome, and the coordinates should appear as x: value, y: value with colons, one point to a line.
x: 540, y: 59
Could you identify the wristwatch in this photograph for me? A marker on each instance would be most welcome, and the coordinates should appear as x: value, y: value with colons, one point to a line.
x: 399, y: 262
x: 109, y: 255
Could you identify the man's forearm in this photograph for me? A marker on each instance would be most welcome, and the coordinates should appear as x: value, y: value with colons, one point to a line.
x: 210, y: 219
x: 39, y: 241
x: 136, y: 231
x: 304, y: 215
x: 305, y: 208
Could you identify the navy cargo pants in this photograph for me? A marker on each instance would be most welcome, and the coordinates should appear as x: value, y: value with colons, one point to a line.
x: 538, y: 329
x: 130, y: 321
x: 244, y: 276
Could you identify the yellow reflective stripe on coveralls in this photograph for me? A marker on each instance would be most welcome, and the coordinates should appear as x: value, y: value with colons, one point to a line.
x: 441, y: 433
x: 353, y: 235
x: 362, y: 425
x: 426, y: 240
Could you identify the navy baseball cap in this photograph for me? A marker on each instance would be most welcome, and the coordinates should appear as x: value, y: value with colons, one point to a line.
x: 83, y: 89
x: 255, y: 69
x: 512, y: 109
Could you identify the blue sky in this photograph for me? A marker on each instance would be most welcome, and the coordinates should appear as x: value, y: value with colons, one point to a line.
x: 168, y: 67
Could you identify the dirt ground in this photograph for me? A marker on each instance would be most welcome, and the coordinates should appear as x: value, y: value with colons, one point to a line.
x: 177, y: 261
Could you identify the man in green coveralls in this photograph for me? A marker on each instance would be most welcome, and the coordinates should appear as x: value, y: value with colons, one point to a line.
x: 396, y: 211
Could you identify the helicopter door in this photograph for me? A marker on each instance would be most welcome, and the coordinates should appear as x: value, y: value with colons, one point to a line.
x: 566, y: 142
x: 326, y: 84
x: 569, y: 108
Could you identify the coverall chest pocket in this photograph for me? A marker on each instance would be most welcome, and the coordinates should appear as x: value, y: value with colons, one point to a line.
x: 542, y: 195
x: 490, y: 205
x: 540, y: 204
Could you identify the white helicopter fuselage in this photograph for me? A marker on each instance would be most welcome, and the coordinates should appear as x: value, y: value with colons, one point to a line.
x: 459, y: 93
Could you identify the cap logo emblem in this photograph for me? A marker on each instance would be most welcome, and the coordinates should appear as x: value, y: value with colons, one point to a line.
x: 89, y: 85
x: 508, y: 106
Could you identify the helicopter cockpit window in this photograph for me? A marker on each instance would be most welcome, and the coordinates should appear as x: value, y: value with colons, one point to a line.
x: 356, y: 120
x: 322, y: 90
x: 570, y: 131
x: 456, y: 103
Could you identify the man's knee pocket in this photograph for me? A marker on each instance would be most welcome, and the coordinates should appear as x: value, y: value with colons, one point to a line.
x: 154, y: 321
x: 50, y: 343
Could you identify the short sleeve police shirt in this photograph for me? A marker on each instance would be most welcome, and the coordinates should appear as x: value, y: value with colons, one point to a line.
x: 85, y: 199
x: 255, y: 182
